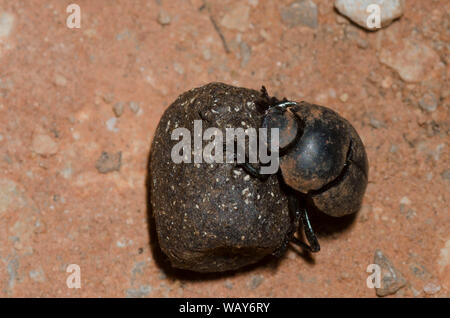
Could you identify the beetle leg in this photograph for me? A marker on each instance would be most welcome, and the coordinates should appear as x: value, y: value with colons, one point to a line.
x: 251, y: 170
x: 309, y: 232
x: 254, y: 172
x: 302, y: 214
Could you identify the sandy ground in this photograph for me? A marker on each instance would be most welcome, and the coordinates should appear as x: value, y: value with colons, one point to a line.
x: 62, y: 89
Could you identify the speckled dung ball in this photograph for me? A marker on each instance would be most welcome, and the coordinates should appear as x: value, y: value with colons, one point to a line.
x: 213, y: 217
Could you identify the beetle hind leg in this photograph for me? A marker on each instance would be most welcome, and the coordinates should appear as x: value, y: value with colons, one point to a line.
x: 301, y: 214
x: 314, y: 245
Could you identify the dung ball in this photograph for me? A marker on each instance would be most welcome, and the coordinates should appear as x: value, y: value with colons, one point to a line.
x: 213, y: 217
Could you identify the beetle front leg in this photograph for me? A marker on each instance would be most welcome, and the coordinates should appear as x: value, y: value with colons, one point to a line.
x: 254, y: 172
x: 309, y: 232
x: 251, y: 170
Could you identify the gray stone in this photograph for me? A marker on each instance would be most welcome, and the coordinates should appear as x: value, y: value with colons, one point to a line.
x: 255, y: 281
x: 134, y: 106
x: 140, y: 292
x: 428, y: 102
x: 6, y: 24
x: 375, y: 123
x: 37, y: 275
x: 60, y: 80
x: 391, y: 279
x: 164, y: 18
x: 109, y: 162
x: 111, y: 124
x: 356, y: 10
x: 118, y: 109
x: 228, y: 284
x: 44, y: 145
x: 108, y: 98
x: 237, y: 18
x: 178, y: 68
x: 302, y: 12
x: 414, y: 61
x: 11, y: 197
x: 431, y: 288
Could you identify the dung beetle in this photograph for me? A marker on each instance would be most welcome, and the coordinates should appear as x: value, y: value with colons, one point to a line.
x: 322, y: 160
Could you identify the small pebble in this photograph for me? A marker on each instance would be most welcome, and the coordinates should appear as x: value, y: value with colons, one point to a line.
x: 405, y: 200
x: 237, y: 18
x: 416, y: 293
x: 410, y: 214
x: 206, y: 54
x: 362, y: 43
x: 375, y: 123
x: 143, y: 291
x: 111, y: 124
x: 108, y: 98
x: 255, y: 281
x: 6, y: 24
x: 413, y: 60
x: 44, y: 145
x: 428, y: 102
x: 229, y: 284
x: 431, y: 288
x: 134, y: 106
x: 178, y: 68
x: 164, y: 18
x: 391, y: 279
x: 118, y: 109
x: 60, y: 80
x: 109, y: 162
x: 301, y: 12
x: 344, y: 97
x: 364, y: 213
x: 37, y: 275
x: 386, y: 82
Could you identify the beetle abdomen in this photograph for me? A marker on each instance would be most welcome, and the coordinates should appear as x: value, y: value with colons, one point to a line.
x: 345, y: 195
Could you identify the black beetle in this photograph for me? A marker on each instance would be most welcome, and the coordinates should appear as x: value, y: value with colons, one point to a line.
x: 322, y: 158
